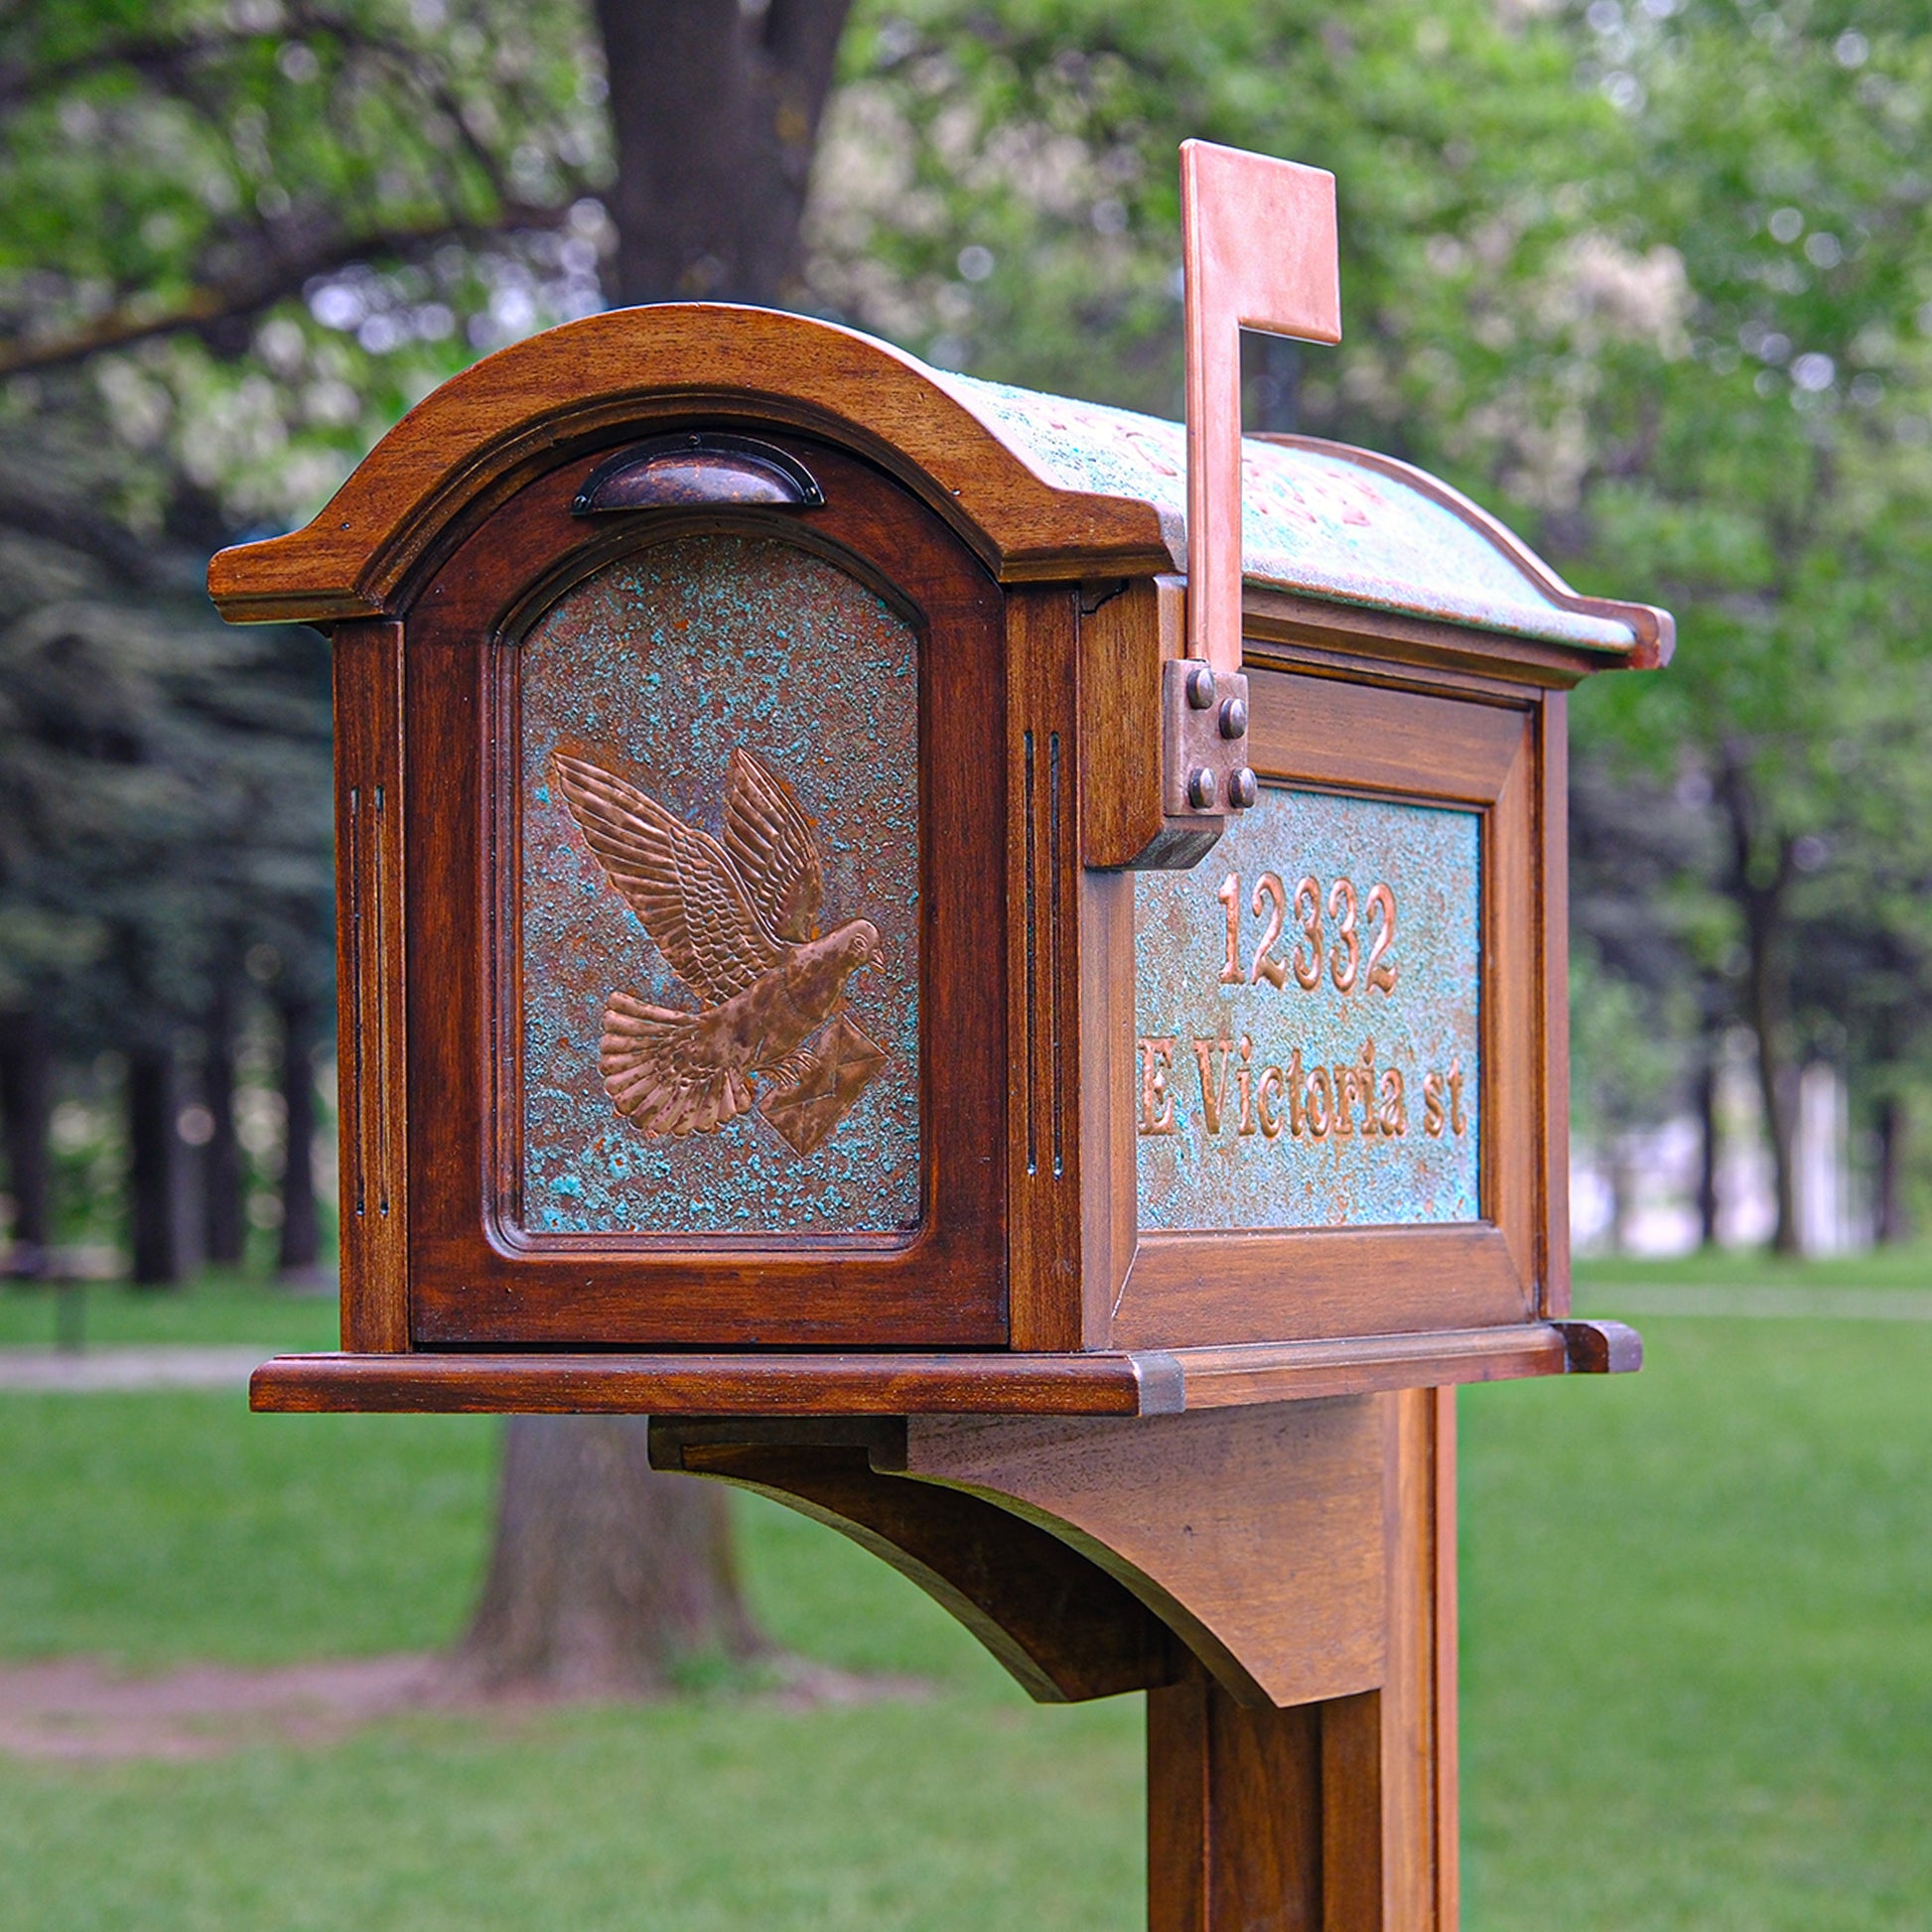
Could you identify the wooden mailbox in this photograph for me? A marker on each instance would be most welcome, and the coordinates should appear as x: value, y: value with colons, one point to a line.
x: 832, y: 957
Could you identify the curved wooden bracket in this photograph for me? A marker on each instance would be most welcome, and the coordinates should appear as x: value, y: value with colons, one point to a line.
x: 1280, y: 1578
x: 1065, y: 1629
x: 1072, y: 1547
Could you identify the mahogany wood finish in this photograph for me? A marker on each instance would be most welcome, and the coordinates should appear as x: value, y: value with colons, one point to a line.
x: 1121, y: 649
x: 1234, y: 1812
x: 1045, y: 972
x: 1064, y: 1628
x: 1094, y: 1382
x: 1338, y: 1815
x: 1600, y: 1347
x: 474, y: 1278
x: 1553, y: 944
x: 371, y: 1023
x: 1256, y: 1534
x: 485, y: 433
x: 1126, y: 632
x: 1282, y: 1582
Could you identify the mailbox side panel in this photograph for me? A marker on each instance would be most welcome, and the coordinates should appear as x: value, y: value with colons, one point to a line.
x: 1438, y: 1211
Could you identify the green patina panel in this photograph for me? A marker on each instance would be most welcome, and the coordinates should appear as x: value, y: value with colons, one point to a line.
x: 720, y: 900
x: 1307, y: 1001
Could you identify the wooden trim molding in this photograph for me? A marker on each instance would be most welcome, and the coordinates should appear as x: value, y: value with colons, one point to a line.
x: 478, y: 1276
x: 1100, y: 1382
x: 486, y: 432
x: 372, y: 1020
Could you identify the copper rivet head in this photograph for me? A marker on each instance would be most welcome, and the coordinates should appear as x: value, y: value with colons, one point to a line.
x: 1242, y: 789
x: 1201, y: 788
x: 1234, y: 718
x: 1201, y: 688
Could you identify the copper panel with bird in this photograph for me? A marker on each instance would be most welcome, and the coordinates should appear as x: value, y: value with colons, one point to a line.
x: 719, y: 829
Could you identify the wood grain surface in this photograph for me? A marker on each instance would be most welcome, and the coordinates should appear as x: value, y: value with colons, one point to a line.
x: 1255, y: 1534
x: 1064, y: 1628
x: 775, y: 1382
x: 370, y: 992
x: 484, y: 434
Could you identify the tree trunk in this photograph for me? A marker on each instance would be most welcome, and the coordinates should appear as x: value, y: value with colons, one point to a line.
x: 26, y: 1108
x: 152, y: 1178
x: 605, y: 1573
x: 301, y: 1239
x: 715, y: 110
x: 1707, y: 1110
x: 1891, y: 1222
x: 1779, y: 1102
x: 1762, y: 869
x: 1620, y: 1191
x: 224, y: 1230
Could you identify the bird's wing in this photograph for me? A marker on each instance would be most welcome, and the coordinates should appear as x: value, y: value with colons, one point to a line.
x: 678, y: 880
x: 771, y: 840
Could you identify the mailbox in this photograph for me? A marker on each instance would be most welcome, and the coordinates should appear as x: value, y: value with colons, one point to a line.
x: 869, y: 894
x: 767, y: 917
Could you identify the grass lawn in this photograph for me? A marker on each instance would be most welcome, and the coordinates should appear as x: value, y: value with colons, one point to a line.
x: 1902, y: 1267
x: 220, y: 1309
x: 1697, y: 1676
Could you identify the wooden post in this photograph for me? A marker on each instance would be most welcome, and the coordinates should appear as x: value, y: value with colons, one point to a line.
x: 1339, y: 1816
x: 1302, y: 1550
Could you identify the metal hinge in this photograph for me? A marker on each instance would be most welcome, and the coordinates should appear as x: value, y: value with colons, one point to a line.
x: 1205, y: 769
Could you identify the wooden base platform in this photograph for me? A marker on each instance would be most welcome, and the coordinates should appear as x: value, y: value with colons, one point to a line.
x: 1149, y: 1382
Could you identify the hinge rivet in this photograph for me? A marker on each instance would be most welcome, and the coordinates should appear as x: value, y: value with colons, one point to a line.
x: 1201, y: 688
x: 1243, y: 788
x: 1234, y: 718
x: 1201, y: 789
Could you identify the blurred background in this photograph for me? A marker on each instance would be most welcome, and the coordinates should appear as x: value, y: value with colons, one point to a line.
x: 1649, y: 279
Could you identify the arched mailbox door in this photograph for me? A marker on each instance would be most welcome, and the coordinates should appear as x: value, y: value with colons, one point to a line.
x: 709, y: 851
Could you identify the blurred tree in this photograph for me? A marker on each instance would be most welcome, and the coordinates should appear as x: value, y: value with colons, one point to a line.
x: 236, y: 242
x: 1770, y: 477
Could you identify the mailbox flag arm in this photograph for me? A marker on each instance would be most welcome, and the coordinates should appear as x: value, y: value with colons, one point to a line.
x: 1259, y: 251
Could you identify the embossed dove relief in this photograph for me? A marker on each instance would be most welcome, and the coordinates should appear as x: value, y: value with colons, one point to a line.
x: 737, y: 923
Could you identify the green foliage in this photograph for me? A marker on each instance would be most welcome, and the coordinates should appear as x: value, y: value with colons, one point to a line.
x: 1649, y: 279
x: 172, y: 175
x: 1627, y: 1057
x: 1042, y: 137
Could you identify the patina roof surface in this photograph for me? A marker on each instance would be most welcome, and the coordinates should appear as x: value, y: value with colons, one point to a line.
x: 1316, y: 518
